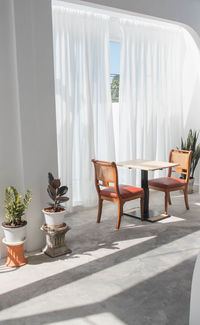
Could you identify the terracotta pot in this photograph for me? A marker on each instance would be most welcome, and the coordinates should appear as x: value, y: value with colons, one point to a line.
x: 15, y: 254
x: 14, y: 233
x: 54, y: 218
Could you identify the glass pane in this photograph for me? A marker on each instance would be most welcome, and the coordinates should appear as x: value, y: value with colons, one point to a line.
x: 114, y: 70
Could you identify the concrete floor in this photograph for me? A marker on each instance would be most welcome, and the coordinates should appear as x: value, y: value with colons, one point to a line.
x: 138, y: 275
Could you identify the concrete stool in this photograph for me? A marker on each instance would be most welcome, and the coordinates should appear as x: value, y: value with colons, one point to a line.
x: 55, y: 240
x: 15, y: 253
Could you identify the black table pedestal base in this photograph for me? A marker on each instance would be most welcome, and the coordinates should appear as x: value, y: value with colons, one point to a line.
x: 153, y: 215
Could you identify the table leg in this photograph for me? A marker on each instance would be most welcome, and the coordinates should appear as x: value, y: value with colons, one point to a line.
x: 149, y: 215
x: 144, y: 183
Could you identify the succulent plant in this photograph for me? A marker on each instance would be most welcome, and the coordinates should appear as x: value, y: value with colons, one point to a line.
x: 15, y: 205
x: 56, y: 192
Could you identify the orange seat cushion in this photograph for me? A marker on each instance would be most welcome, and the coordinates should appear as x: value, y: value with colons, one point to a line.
x: 167, y: 182
x: 126, y: 191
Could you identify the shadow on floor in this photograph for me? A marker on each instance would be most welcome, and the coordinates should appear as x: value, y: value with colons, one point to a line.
x: 136, y: 305
x: 39, y: 287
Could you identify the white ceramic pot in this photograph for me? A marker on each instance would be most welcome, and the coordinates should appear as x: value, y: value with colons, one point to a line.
x: 190, y: 185
x: 54, y: 218
x: 14, y: 234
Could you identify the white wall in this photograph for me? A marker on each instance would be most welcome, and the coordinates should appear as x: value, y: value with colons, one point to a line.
x: 11, y: 172
x: 37, y: 109
x: 28, y: 127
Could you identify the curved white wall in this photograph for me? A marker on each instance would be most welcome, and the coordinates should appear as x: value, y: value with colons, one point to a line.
x: 183, y: 11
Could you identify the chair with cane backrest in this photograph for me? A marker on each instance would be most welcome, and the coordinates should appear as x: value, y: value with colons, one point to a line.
x: 169, y: 184
x: 106, y: 182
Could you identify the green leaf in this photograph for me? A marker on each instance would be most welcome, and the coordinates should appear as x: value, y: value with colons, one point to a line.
x: 52, y: 196
x: 62, y: 190
x: 50, y: 178
x: 14, y: 206
x: 62, y: 198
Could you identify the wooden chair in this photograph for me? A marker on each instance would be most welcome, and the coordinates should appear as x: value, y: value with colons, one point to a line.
x: 106, y: 181
x: 169, y: 184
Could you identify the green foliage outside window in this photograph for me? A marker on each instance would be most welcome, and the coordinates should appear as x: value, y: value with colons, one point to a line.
x: 115, y: 88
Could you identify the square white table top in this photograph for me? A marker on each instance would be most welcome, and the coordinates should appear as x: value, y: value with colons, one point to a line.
x: 149, y: 165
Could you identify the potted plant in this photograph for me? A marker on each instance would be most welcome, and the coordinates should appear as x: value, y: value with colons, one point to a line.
x: 15, y: 205
x: 191, y: 144
x: 55, y: 213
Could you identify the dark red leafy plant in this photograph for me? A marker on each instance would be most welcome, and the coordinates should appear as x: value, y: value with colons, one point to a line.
x: 56, y: 193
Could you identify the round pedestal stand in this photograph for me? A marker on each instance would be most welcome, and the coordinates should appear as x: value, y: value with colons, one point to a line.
x: 55, y: 240
x: 15, y: 253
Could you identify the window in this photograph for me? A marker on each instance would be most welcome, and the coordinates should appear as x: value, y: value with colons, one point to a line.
x: 114, y: 84
x: 114, y: 70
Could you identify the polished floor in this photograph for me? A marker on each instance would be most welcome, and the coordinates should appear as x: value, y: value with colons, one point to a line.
x: 140, y: 274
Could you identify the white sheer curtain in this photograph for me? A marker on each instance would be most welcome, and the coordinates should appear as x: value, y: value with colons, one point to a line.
x: 150, y: 93
x: 83, y: 100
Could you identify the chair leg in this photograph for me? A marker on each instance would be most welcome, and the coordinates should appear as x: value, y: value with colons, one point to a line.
x: 169, y: 199
x: 100, y: 203
x: 186, y: 198
x: 166, y: 201
x: 120, y: 213
x: 142, y: 208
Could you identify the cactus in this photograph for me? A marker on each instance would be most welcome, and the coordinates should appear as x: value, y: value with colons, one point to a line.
x: 56, y: 192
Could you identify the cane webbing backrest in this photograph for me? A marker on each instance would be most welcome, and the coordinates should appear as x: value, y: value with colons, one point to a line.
x: 182, y: 157
x: 105, y: 173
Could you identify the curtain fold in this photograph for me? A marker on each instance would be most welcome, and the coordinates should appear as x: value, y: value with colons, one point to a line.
x: 151, y: 106
x: 83, y: 99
